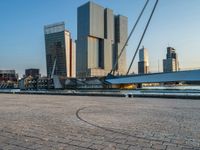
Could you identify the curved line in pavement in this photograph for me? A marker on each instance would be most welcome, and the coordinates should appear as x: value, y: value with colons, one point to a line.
x: 104, y: 128
x: 118, y: 132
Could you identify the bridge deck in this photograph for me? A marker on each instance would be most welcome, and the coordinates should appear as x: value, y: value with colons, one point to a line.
x: 192, y: 75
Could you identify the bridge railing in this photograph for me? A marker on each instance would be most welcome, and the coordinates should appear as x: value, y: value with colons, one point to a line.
x: 180, y: 69
x: 188, y: 69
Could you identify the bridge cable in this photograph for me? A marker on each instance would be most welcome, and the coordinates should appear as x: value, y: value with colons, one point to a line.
x: 142, y: 36
x: 133, y: 29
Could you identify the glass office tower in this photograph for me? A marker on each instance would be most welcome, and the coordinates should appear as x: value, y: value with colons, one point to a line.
x: 60, y: 51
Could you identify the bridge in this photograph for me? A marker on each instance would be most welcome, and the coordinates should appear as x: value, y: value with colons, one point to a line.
x: 179, y: 76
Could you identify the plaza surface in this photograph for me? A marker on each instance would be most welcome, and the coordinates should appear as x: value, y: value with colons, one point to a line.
x: 72, y: 122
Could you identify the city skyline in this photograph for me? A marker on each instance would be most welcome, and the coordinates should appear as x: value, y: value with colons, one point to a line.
x: 22, y: 42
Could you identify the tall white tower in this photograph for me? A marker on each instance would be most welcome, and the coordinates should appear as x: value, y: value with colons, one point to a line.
x: 143, y: 64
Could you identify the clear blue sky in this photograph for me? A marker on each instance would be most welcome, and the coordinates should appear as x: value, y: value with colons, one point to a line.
x: 175, y: 23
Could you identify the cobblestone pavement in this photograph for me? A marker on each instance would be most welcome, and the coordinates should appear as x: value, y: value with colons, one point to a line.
x: 72, y: 123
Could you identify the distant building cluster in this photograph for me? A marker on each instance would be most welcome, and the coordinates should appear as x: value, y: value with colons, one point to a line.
x: 32, y: 80
x: 170, y: 64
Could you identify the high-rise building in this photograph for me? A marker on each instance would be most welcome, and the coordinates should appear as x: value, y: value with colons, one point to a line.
x: 101, y: 36
x: 171, y: 64
x: 143, y: 64
x: 60, y: 51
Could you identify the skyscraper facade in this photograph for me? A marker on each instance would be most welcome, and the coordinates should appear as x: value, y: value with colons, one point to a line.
x: 101, y: 36
x: 143, y: 64
x: 171, y: 64
x: 60, y: 51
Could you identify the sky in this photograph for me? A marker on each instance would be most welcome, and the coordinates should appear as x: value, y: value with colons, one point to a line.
x: 176, y: 23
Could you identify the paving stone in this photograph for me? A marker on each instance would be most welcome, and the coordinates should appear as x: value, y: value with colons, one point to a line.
x: 98, y: 146
x: 147, y: 148
x: 171, y: 147
x: 122, y: 146
x: 187, y: 148
x: 159, y: 147
x: 13, y: 147
x: 54, y: 122
x: 134, y: 148
x: 120, y: 141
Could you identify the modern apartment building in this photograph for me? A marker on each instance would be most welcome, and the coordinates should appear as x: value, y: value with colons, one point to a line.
x: 60, y: 51
x: 143, y: 64
x: 171, y: 64
x: 101, y: 36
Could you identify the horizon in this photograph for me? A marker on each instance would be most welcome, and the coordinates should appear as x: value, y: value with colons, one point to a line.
x: 23, y: 47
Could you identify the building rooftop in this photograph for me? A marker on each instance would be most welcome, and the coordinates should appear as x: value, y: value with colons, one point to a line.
x: 53, y: 28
